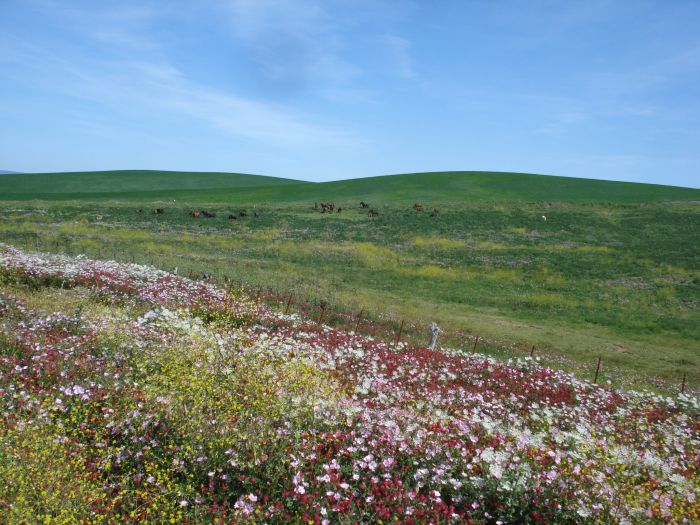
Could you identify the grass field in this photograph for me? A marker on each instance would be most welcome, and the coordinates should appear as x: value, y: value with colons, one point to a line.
x: 611, y: 272
x: 249, y: 189
x: 68, y: 184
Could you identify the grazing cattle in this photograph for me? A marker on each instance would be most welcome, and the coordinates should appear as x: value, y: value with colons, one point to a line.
x: 435, y: 212
x: 256, y: 214
x: 98, y: 217
x: 158, y: 211
x: 139, y: 210
x: 363, y: 204
x: 327, y: 207
x: 418, y: 206
x: 232, y: 216
x: 373, y: 213
x: 208, y: 214
x: 340, y: 209
x: 195, y: 213
x: 243, y: 213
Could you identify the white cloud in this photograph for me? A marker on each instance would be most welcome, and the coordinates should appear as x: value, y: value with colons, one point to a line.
x: 292, y: 41
x: 124, y: 39
x: 244, y: 117
x: 152, y: 90
x: 400, y: 52
x: 137, y: 76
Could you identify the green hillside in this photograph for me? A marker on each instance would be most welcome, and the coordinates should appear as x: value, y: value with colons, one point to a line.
x: 126, y: 181
x: 456, y: 186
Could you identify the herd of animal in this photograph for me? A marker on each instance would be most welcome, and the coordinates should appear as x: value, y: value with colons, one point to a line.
x: 195, y: 214
x: 328, y: 207
x: 325, y: 207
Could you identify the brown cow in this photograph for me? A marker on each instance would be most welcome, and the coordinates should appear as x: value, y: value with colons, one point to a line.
x: 373, y: 213
x: 158, y: 211
x: 418, y: 206
x: 208, y: 215
x: 243, y: 213
x: 232, y: 216
x: 195, y: 213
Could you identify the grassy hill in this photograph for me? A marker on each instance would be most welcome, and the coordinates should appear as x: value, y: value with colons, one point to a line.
x: 76, y: 184
x: 456, y: 186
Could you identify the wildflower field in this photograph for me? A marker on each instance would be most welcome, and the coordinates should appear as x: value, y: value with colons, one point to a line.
x: 619, y: 281
x: 132, y: 395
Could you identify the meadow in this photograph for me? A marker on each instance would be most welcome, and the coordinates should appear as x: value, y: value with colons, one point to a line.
x: 133, y: 395
x: 612, y: 272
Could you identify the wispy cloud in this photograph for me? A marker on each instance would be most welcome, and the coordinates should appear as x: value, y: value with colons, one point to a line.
x: 153, y: 84
x: 560, y: 122
x: 400, y: 52
x: 244, y: 117
x: 309, y: 43
x: 293, y: 42
x: 124, y: 39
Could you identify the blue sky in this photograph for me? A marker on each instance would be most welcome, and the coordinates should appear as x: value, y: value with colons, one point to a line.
x: 322, y: 90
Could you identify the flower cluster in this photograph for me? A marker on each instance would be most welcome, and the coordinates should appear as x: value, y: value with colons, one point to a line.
x: 168, y: 400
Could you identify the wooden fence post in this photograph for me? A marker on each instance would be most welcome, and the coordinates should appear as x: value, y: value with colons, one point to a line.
x: 289, y: 302
x: 475, y: 343
x: 683, y: 384
x: 359, y: 319
x: 532, y: 351
x: 323, y: 312
x: 597, y: 370
x: 398, y: 336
